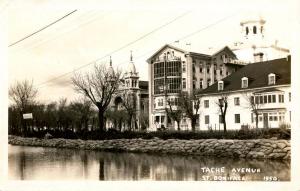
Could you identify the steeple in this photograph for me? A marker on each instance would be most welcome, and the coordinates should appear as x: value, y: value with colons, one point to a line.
x: 130, y: 55
x: 110, y: 61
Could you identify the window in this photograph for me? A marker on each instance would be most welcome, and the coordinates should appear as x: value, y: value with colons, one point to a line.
x: 269, y: 99
x: 157, y: 119
x: 173, y: 85
x: 220, y: 85
x: 290, y: 96
x: 194, y: 84
x: 200, y: 69
x: 273, y: 98
x: 183, y: 83
x: 221, y: 102
x: 208, y: 82
x: 244, y: 82
x: 254, y: 30
x: 261, y: 99
x: 201, y: 84
x: 206, y: 103
x: 265, y: 99
x: 183, y: 67
x: 281, y: 98
x: 206, y: 119
x: 237, y: 118
x: 173, y: 68
x: 159, y: 69
x: 160, y: 102
x: 261, y: 29
x: 256, y: 100
x: 194, y: 69
x: 207, y: 70
x: 221, y: 71
x: 236, y: 101
x: 247, y: 30
x: 271, y: 79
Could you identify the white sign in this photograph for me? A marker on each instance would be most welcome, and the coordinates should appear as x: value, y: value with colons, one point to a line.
x: 27, y: 116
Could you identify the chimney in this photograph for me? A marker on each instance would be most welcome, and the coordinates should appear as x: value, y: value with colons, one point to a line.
x: 258, y: 57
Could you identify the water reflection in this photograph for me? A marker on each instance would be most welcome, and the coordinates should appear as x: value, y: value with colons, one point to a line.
x: 37, y: 163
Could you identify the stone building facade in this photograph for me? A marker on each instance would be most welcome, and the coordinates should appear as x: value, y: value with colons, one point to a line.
x: 131, y: 97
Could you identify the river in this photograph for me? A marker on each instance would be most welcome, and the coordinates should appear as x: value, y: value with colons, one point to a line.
x: 43, y: 163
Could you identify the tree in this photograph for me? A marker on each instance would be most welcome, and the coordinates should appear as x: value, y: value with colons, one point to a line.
x: 253, y: 103
x: 129, y: 103
x: 190, y: 105
x: 23, y: 94
x: 81, y: 111
x: 99, y: 86
x: 174, y: 114
x: 222, y: 103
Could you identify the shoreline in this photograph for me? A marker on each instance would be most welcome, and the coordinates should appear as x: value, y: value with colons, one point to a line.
x: 249, y: 149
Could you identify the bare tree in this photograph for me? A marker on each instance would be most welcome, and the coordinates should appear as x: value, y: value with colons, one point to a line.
x: 175, y: 114
x: 23, y: 94
x: 222, y: 103
x: 99, y: 86
x: 190, y: 105
x: 81, y: 110
x: 253, y: 103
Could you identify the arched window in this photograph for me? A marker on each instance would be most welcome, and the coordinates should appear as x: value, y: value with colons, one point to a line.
x: 254, y: 29
x: 247, y: 30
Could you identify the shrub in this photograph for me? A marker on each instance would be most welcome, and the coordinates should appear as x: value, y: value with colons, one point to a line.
x: 246, y: 133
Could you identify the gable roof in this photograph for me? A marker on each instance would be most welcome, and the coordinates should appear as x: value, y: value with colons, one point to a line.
x: 163, y: 47
x: 209, y: 55
x: 257, y: 73
x: 225, y: 48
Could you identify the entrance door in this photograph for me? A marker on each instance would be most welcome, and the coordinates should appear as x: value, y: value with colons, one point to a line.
x: 266, y: 120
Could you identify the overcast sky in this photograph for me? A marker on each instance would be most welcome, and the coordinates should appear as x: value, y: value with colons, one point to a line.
x: 98, y: 28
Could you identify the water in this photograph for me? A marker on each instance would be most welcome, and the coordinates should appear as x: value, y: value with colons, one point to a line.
x: 38, y: 163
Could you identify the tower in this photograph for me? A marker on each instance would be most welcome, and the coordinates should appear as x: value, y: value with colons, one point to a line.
x: 132, y: 90
x: 131, y: 76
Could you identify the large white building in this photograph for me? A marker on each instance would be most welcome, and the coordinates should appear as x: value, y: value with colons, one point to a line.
x: 264, y: 87
x: 172, y: 70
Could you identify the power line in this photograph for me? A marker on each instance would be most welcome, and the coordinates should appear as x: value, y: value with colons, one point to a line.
x: 144, y: 54
x: 30, y: 35
x: 206, y: 27
x: 118, y: 49
x: 90, y: 18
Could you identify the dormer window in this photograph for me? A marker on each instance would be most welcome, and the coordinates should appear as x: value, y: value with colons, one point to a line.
x: 271, y: 79
x: 220, y: 85
x: 244, y: 82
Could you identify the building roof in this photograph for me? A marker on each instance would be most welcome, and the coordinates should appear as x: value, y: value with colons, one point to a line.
x: 194, y: 52
x: 257, y: 74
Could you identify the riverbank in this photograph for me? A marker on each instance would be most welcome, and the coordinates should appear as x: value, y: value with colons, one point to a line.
x: 258, y: 148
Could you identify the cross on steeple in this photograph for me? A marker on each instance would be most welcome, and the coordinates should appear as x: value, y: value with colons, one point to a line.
x: 110, y: 61
x: 130, y: 55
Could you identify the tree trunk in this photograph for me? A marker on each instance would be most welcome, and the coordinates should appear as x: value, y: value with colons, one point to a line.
x: 23, y: 125
x: 256, y: 121
x: 101, y: 120
x: 193, y: 124
x: 224, y: 120
x: 178, y: 125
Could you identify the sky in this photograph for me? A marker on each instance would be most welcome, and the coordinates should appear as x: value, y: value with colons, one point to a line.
x: 99, y: 29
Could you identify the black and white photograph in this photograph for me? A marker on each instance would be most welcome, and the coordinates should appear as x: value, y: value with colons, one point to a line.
x: 149, y: 95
